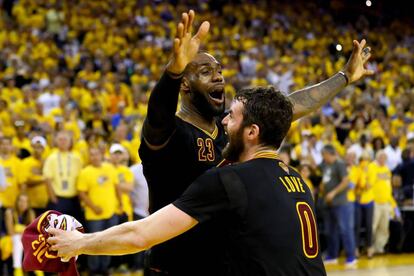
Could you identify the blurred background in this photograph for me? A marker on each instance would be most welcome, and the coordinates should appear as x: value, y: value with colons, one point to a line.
x: 86, y: 69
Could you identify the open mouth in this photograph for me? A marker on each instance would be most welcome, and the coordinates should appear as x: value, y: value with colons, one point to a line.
x: 217, y: 95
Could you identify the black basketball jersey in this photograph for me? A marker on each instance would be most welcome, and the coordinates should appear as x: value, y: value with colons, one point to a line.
x: 189, y: 152
x: 269, y: 226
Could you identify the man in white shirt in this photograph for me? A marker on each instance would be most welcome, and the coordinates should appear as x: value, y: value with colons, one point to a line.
x: 393, y: 153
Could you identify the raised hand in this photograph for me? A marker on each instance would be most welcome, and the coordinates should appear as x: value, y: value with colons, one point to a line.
x: 355, y: 67
x: 185, y: 46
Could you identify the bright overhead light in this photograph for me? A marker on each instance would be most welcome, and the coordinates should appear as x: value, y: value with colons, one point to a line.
x: 338, y: 47
x: 368, y: 3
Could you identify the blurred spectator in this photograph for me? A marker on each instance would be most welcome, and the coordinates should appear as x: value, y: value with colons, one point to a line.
x: 97, y: 186
x: 125, y: 180
x: 364, y: 206
x: 12, y: 168
x: 404, y: 175
x: 361, y: 147
x: 379, y: 177
x: 32, y: 176
x: 61, y: 170
x: 305, y: 171
x: 339, y: 212
x: 377, y: 144
x: 393, y: 153
x: 16, y: 219
x: 20, y: 142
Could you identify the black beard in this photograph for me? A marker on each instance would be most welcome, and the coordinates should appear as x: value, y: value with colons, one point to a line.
x: 205, y: 108
x: 235, y: 146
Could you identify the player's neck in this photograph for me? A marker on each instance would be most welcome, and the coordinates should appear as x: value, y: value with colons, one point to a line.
x: 195, y: 118
x: 253, y: 152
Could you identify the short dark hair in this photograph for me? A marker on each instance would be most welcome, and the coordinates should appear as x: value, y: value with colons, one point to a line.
x: 329, y: 149
x: 270, y: 110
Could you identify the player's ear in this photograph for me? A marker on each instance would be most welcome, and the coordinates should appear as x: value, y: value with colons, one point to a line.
x: 185, y: 85
x: 254, y: 132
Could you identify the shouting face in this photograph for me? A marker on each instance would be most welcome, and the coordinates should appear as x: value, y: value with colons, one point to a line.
x: 233, y: 123
x: 204, y: 85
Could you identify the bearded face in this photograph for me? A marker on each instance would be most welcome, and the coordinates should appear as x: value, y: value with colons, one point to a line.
x: 235, y: 146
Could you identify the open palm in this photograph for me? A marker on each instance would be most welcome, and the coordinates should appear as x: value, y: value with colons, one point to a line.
x: 356, y: 65
x: 186, y: 46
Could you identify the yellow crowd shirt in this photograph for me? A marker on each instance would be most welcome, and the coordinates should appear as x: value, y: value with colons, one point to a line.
x: 63, y: 169
x: 379, y: 177
x: 363, y: 190
x: 32, y: 171
x: 353, y: 176
x: 100, y: 185
x: 125, y: 175
x: 12, y: 170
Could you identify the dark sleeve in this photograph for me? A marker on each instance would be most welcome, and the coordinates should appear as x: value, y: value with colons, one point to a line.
x: 204, y: 198
x: 162, y: 105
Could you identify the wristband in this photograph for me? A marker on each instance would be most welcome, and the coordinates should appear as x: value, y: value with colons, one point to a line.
x: 345, y: 76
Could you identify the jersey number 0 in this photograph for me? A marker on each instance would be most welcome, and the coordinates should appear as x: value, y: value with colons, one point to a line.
x: 309, y: 232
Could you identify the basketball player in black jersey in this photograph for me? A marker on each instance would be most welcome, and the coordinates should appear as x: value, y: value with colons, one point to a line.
x: 265, y: 208
x: 178, y: 147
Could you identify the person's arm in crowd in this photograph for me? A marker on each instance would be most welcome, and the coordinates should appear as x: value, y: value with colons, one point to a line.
x: 313, y: 97
x: 337, y: 190
x: 162, y: 105
x: 8, y: 216
x: 125, y: 186
x: 88, y: 202
x: 118, y: 193
x: 30, y: 183
x: 126, y: 238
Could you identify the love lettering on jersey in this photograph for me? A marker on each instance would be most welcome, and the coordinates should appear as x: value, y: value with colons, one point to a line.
x: 292, y: 184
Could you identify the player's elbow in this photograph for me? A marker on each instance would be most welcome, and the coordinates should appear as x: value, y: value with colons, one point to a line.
x: 137, y: 240
x: 139, y: 243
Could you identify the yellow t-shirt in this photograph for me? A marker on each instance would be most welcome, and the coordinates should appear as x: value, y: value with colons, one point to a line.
x: 124, y: 174
x: 22, y: 144
x: 353, y: 176
x: 379, y: 177
x: 63, y: 169
x: 12, y: 170
x: 32, y: 170
x: 363, y: 189
x: 100, y: 184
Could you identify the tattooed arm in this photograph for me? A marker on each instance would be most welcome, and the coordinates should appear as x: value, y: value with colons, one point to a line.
x: 312, y: 98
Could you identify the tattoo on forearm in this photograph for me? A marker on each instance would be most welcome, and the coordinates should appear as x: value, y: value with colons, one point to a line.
x: 311, y: 98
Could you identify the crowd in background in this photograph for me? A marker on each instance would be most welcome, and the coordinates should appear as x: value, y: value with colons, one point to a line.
x: 75, y: 77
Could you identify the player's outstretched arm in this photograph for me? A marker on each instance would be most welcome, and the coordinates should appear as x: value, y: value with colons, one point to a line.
x: 160, y: 122
x: 311, y: 98
x: 126, y: 238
